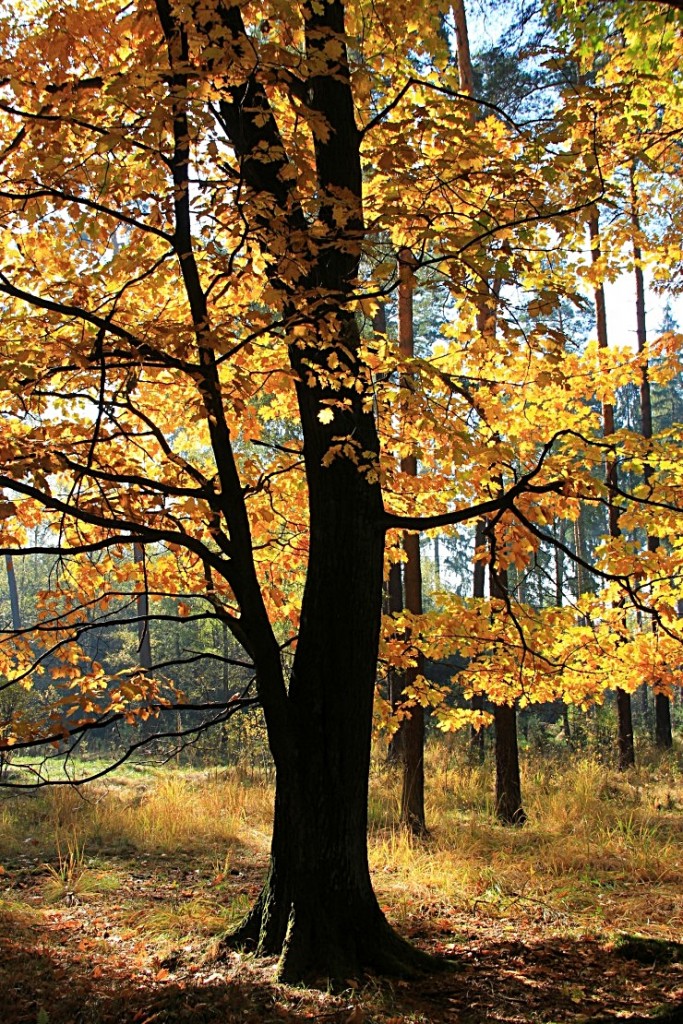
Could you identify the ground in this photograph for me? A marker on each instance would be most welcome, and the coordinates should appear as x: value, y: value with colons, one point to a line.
x: 111, y: 903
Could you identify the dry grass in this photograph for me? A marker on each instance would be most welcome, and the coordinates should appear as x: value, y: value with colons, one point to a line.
x: 601, y: 851
x: 111, y: 899
x: 161, y: 813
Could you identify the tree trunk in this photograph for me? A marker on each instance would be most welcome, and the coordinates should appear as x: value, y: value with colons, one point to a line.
x: 508, y: 783
x: 394, y: 600
x: 144, y: 643
x: 412, y: 729
x: 625, y: 747
x: 13, y: 593
x: 478, y: 736
x: 396, y: 679
x: 317, y: 908
x: 663, y: 733
x: 663, y: 737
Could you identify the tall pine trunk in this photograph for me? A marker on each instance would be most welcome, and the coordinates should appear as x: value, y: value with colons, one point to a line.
x: 626, y: 750
x: 411, y: 734
x: 663, y: 736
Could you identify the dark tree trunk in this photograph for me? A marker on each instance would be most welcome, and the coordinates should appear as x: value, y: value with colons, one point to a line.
x: 395, y: 677
x: 663, y: 734
x: 144, y: 642
x: 318, y: 909
x: 413, y: 728
x: 13, y: 592
x: 508, y: 783
x: 478, y: 736
x: 625, y: 733
x: 663, y: 737
x: 394, y: 601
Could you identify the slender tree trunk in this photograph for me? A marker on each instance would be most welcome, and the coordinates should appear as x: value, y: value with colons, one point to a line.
x: 394, y: 601
x: 486, y: 323
x: 478, y: 736
x: 465, y: 70
x: 15, y: 612
x: 626, y: 750
x: 508, y: 783
x: 559, y: 601
x: 395, y: 676
x: 13, y: 593
x: 580, y: 553
x: 663, y: 736
x: 147, y: 726
x: 412, y: 729
x: 144, y: 644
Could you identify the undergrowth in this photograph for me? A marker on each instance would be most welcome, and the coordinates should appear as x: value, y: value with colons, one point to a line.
x: 602, y: 851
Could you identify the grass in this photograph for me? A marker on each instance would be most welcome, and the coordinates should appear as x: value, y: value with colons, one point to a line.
x: 601, y: 849
x: 598, y: 844
x: 162, y: 862
x: 160, y: 813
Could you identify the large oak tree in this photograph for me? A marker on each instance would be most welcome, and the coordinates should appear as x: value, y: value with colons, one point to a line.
x: 201, y: 204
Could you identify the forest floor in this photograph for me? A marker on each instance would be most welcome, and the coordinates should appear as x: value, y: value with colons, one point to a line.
x: 112, y: 898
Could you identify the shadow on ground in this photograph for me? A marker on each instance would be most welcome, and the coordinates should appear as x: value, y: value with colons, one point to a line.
x: 53, y: 971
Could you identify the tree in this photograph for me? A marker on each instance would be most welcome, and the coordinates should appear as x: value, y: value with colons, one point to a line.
x: 200, y: 205
x: 411, y: 733
x: 508, y: 786
x: 624, y: 712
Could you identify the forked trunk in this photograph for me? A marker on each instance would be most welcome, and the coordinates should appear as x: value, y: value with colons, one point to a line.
x: 318, y: 910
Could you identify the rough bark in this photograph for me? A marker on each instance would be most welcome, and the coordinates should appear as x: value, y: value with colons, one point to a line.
x: 317, y: 910
x: 508, y: 785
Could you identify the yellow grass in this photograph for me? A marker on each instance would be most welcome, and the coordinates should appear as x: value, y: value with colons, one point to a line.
x: 601, y: 851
